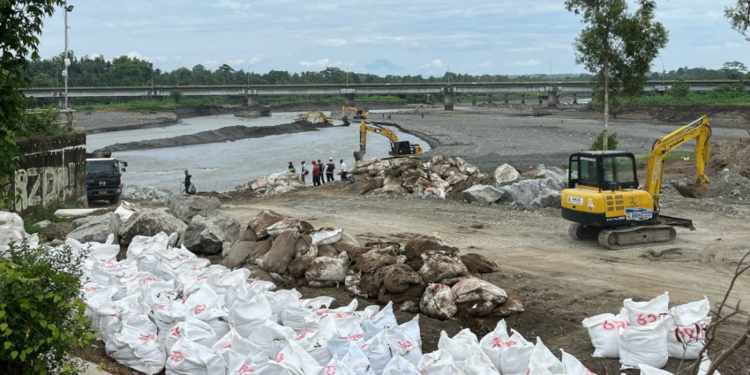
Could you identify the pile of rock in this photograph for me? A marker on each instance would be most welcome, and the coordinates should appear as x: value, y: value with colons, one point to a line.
x: 146, y: 193
x: 423, y: 275
x: 277, y: 183
x: 537, y: 188
x: 195, y: 220
x: 437, y: 178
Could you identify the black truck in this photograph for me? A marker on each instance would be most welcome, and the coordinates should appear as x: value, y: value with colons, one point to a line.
x: 104, y: 178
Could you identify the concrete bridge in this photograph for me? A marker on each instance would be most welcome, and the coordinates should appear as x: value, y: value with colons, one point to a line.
x: 548, y: 92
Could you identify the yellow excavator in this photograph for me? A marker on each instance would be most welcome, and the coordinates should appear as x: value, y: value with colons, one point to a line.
x: 605, y: 202
x: 354, y: 113
x: 398, y: 148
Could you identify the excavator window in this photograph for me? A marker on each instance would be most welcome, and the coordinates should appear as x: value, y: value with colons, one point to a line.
x: 608, y: 171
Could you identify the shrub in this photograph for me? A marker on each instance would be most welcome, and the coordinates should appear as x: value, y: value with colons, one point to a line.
x: 599, y: 142
x: 680, y: 90
x: 41, y: 313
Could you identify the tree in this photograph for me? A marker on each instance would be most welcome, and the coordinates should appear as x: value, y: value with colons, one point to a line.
x: 617, y: 46
x: 739, y: 16
x: 734, y: 70
x: 20, y: 25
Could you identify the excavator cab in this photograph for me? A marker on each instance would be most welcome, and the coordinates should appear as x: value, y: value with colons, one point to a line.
x: 603, y: 170
x: 405, y: 148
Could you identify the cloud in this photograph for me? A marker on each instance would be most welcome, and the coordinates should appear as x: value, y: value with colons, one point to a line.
x: 323, y: 63
x: 435, y: 64
x: 333, y: 42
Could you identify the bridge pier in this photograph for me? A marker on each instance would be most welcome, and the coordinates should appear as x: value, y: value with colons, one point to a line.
x: 349, y: 99
x: 428, y: 98
x: 448, y: 98
x: 506, y: 99
x: 251, y: 100
x: 575, y: 98
x: 523, y: 98
x: 553, y: 98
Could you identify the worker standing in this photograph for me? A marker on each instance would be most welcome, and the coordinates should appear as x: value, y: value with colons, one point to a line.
x: 316, y: 173
x: 322, y: 174
x: 292, y: 170
x: 330, y: 168
x: 189, y: 188
x: 303, y: 172
x: 344, y: 172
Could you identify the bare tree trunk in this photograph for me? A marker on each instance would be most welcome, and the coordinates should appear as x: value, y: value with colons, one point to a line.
x: 605, y: 135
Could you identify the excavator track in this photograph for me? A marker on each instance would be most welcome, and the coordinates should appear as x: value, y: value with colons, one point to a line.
x: 616, y: 239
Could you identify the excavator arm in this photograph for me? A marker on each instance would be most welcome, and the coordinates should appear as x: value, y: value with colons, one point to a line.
x: 365, y: 128
x: 698, y: 130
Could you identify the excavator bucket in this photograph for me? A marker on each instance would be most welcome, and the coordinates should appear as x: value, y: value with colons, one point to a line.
x: 357, y: 156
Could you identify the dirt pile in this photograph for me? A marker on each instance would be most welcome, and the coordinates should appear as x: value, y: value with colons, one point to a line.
x: 225, y: 134
x: 440, y: 177
x: 421, y: 274
x: 729, y: 173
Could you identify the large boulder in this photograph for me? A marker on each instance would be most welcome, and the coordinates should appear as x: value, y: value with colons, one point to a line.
x: 282, y: 251
x: 483, y: 194
x: 262, y: 221
x: 478, y: 298
x: 375, y: 259
x: 258, y: 250
x: 185, y: 207
x: 149, y: 222
x: 506, y: 174
x: 92, y: 228
x: 438, y: 302
x: 477, y: 263
x: 534, y: 193
x: 239, y: 253
x: 438, y: 267
x: 288, y: 224
x: 419, y: 245
x: 211, y: 235
x: 398, y: 278
x: 325, y: 271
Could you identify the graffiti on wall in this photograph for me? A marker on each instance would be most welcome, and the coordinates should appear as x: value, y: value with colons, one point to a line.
x: 50, y: 171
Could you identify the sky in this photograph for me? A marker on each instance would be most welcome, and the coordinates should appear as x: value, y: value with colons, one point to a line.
x: 427, y: 37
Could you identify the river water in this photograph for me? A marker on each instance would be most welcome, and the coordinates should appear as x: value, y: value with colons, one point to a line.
x: 223, y: 166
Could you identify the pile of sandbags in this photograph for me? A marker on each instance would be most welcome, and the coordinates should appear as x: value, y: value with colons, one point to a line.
x: 277, y: 183
x: 12, y: 231
x: 537, y: 188
x: 423, y: 275
x: 437, y: 178
x: 163, y: 309
x: 649, y: 333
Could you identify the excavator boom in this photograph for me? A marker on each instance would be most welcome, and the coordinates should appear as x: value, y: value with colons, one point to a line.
x: 398, y: 148
x: 698, y: 130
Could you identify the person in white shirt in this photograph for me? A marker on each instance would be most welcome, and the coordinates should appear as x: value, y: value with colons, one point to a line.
x: 344, y: 171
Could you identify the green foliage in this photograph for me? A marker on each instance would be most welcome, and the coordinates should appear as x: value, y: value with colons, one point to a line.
x: 617, y: 42
x: 41, y: 122
x: 732, y: 95
x: 20, y: 25
x: 176, y: 96
x: 680, y: 90
x: 739, y: 16
x: 41, y: 313
x: 612, y: 142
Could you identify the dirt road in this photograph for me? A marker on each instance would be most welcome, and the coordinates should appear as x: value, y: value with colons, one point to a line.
x: 560, y: 281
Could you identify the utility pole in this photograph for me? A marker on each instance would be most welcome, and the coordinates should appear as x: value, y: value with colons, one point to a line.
x: 66, y: 61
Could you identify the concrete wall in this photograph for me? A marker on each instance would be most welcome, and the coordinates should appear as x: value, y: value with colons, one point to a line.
x: 51, y: 170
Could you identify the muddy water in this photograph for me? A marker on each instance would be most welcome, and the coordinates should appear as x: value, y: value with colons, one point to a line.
x: 223, y: 166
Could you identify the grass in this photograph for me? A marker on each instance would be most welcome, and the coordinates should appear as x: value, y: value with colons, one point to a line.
x: 715, y: 98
